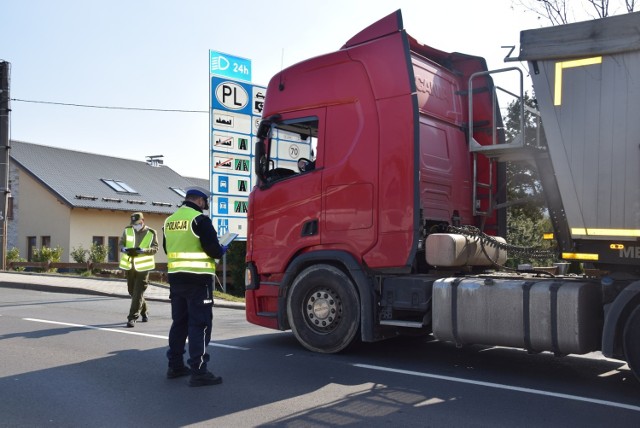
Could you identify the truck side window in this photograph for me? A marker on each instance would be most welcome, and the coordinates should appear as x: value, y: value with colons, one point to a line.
x: 293, y: 146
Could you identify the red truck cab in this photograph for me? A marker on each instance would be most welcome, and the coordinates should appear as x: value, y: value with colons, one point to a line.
x: 382, y: 124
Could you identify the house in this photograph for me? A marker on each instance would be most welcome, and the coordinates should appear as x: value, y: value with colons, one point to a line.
x: 71, y: 199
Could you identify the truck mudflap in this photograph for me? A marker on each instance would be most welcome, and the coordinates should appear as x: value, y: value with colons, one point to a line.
x: 561, y: 316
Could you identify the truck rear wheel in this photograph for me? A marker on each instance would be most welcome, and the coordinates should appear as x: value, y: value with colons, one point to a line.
x: 323, y: 309
x: 631, y: 342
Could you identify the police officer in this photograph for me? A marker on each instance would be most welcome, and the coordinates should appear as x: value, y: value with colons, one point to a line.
x: 139, y: 244
x: 191, y: 244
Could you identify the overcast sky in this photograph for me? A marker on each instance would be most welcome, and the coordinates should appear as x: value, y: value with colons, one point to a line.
x: 154, y: 54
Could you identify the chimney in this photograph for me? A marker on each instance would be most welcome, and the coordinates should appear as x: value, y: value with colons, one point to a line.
x: 155, y: 160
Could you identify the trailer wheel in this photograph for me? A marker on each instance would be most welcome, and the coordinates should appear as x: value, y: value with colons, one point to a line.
x: 631, y: 342
x: 323, y: 309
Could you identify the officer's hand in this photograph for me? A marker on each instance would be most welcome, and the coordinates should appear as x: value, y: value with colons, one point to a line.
x: 224, y: 248
x: 123, y: 250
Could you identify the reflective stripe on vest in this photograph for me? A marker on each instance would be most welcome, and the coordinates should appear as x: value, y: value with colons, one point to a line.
x: 184, y: 251
x: 142, y: 262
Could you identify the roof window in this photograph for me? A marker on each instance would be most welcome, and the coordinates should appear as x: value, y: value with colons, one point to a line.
x: 119, y: 186
x: 179, y: 191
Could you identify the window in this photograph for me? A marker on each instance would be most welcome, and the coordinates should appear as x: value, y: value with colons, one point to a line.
x: 31, y: 245
x: 10, y: 208
x: 98, y: 240
x: 112, y: 255
x: 119, y: 186
x: 45, y: 241
x: 292, y: 146
x: 179, y: 191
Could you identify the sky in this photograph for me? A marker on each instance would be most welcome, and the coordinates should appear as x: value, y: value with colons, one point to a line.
x: 155, y: 55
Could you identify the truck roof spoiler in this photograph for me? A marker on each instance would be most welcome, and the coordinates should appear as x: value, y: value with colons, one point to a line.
x: 388, y: 25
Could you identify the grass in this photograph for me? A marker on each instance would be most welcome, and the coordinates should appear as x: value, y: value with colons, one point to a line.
x: 227, y: 297
x: 216, y: 294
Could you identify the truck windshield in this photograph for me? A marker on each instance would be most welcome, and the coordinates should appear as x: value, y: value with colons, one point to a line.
x: 286, y: 148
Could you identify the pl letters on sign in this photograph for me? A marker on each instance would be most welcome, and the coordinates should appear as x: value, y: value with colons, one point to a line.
x: 232, y: 96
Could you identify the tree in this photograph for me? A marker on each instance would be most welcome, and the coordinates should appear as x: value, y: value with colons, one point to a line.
x: 236, y: 264
x: 559, y: 12
x: 526, y: 216
x: 523, y: 183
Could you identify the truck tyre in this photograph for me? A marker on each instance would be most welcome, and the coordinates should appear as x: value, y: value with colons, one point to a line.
x: 323, y: 309
x: 631, y: 342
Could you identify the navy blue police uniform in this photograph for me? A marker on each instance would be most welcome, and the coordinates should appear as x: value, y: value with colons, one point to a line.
x: 191, y: 244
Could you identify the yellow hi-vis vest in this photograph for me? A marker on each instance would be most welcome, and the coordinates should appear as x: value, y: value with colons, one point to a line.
x: 184, y: 251
x: 142, y: 262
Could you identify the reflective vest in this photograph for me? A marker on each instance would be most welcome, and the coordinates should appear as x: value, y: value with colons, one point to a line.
x: 184, y: 251
x: 142, y: 262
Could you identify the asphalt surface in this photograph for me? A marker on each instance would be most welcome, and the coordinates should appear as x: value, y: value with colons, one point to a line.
x: 91, y: 285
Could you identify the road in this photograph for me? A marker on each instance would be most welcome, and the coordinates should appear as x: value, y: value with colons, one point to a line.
x: 68, y: 361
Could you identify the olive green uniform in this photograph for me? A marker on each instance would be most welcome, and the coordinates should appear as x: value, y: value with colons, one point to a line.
x: 138, y: 267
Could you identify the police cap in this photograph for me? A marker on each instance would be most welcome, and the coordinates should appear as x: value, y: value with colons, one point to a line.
x: 199, y: 192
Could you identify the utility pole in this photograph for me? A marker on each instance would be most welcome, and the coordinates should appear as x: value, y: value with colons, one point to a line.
x: 4, y: 158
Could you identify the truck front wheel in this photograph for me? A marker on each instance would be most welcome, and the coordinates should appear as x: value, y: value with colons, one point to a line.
x: 631, y: 342
x: 323, y: 309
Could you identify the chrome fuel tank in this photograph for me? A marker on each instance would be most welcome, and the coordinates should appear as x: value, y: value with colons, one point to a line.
x: 537, y: 314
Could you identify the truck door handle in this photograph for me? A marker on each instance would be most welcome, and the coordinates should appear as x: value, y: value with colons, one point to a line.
x: 310, y: 228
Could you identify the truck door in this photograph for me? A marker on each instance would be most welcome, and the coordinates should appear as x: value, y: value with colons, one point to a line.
x: 287, y: 205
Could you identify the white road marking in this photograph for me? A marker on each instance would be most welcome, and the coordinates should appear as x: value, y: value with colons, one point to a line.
x: 501, y: 386
x: 122, y: 331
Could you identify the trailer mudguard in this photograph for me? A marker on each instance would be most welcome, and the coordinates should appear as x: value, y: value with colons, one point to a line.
x: 357, y: 273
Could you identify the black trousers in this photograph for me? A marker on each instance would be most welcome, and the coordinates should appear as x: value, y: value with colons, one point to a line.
x: 192, y: 314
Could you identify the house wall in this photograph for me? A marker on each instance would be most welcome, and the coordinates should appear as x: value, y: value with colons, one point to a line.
x: 38, y: 213
x: 12, y: 224
x: 88, y: 223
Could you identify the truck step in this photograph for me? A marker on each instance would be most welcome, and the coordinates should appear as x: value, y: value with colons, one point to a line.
x: 398, y: 323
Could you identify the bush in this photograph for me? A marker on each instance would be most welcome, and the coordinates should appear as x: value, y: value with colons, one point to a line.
x: 79, y: 255
x: 13, y: 255
x: 236, y: 263
x: 48, y: 255
x: 98, y: 254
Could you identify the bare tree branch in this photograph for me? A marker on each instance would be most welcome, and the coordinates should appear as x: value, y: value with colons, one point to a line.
x: 556, y: 9
x: 601, y: 7
x: 559, y: 12
x: 553, y: 10
x: 630, y: 4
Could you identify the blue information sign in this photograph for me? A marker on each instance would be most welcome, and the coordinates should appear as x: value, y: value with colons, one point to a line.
x: 235, y: 110
x: 231, y: 96
x: 229, y: 66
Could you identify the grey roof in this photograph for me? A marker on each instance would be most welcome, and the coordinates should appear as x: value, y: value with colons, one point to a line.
x: 75, y: 178
x: 202, y: 182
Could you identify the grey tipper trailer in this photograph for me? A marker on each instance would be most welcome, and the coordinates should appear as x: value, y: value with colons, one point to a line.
x: 586, y: 78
